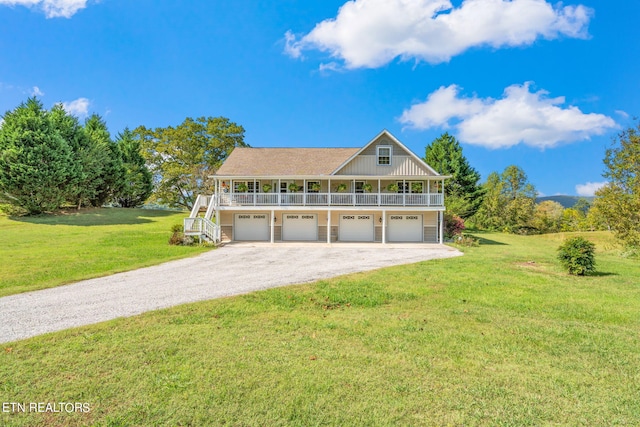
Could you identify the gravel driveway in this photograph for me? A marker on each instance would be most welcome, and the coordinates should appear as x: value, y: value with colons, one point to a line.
x: 231, y: 270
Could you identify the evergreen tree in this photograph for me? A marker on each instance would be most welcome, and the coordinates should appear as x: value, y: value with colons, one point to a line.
x: 36, y: 161
x: 88, y: 160
x: 138, y: 183
x: 463, y: 194
x: 110, y: 181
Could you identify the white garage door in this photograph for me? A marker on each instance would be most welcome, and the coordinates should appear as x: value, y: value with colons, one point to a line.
x: 299, y: 227
x: 356, y: 228
x: 251, y: 227
x: 404, y: 228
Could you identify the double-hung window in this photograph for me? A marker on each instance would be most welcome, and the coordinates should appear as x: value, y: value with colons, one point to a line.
x: 403, y: 187
x: 383, y: 155
x: 245, y: 187
x: 410, y: 187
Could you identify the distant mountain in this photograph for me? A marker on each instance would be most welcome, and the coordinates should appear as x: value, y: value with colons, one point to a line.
x: 565, y: 201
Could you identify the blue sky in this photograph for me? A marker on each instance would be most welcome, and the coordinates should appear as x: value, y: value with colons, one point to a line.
x: 539, y: 84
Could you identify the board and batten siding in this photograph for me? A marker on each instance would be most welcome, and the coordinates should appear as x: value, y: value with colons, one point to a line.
x: 401, y: 165
x: 371, y: 150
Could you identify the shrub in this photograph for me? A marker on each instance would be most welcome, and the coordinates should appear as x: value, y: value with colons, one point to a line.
x: 177, y: 228
x: 577, y: 256
x: 466, y: 240
x: 177, y: 238
x: 453, y: 225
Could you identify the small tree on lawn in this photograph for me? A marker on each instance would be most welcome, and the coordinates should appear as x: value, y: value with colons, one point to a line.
x: 453, y: 225
x: 577, y: 256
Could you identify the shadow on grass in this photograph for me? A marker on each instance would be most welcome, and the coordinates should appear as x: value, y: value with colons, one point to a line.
x: 601, y: 274
x: 92, y: 217
x: 484, y: 241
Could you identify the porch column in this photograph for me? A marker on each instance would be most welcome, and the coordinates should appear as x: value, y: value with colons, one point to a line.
x: 429, y: 192
x: 273, y: 223
x: 353, y: 191
x: 384, y: 227
x: 441, y: 232
x: 329, y: 193
x: 379, y: 191
x: 219, y: 224
x: 404, y: 194
x: 329, y: 227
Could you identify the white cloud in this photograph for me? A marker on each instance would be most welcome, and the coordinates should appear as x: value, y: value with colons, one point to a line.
x: 79, y: 107
x: 36, y: 91
x: 589, y: 189
x: 520, y: 116
x: 51, y: 8
x: 622, y: 114
x: 372, y: 33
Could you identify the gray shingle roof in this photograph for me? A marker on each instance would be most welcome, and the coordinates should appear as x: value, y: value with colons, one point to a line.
x: 245, y: 161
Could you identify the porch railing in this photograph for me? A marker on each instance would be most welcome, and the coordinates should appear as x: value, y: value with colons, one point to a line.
x: 202, y: 201
x: 202, y: 227
x: 331, y: 199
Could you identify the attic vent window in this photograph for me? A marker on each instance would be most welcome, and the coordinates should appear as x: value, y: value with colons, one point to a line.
x: 384, y: 155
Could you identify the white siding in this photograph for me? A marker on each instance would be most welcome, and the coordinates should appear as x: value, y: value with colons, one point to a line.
x: 400, y: 166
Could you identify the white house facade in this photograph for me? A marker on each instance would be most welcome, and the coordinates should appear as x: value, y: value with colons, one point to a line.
x: 381, y: 192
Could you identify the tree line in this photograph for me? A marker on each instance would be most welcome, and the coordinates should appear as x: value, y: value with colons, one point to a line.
x: 49, y: 160
x: 506, y: 201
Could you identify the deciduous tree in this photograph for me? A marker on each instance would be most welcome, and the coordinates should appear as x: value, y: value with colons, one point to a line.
x: 183, y: 158
x: 547, y: 216
x: 619, y: 200
x: 509, y: 201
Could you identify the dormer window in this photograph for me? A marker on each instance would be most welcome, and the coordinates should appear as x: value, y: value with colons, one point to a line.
x: 384, y: 155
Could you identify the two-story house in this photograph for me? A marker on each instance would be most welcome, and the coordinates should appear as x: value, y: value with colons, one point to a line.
x: 381, y: 192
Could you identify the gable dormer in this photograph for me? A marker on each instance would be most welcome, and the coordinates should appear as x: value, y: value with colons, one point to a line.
x: 385, y: 155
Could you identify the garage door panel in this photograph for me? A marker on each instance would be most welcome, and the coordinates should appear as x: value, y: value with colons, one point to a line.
x: 404, y: 228
x: 356, y: 228
x: 252, y: 227
x: 300, y: 227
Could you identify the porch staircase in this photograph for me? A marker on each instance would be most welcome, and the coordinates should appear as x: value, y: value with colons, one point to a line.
x: 203, y: 226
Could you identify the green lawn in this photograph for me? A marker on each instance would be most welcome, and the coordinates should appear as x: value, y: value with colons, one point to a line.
x: 500, y: 336
x: 46, y: 251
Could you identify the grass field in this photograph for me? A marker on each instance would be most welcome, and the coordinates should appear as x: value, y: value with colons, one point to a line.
x: 500, y: 336
x: 45, y: 251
